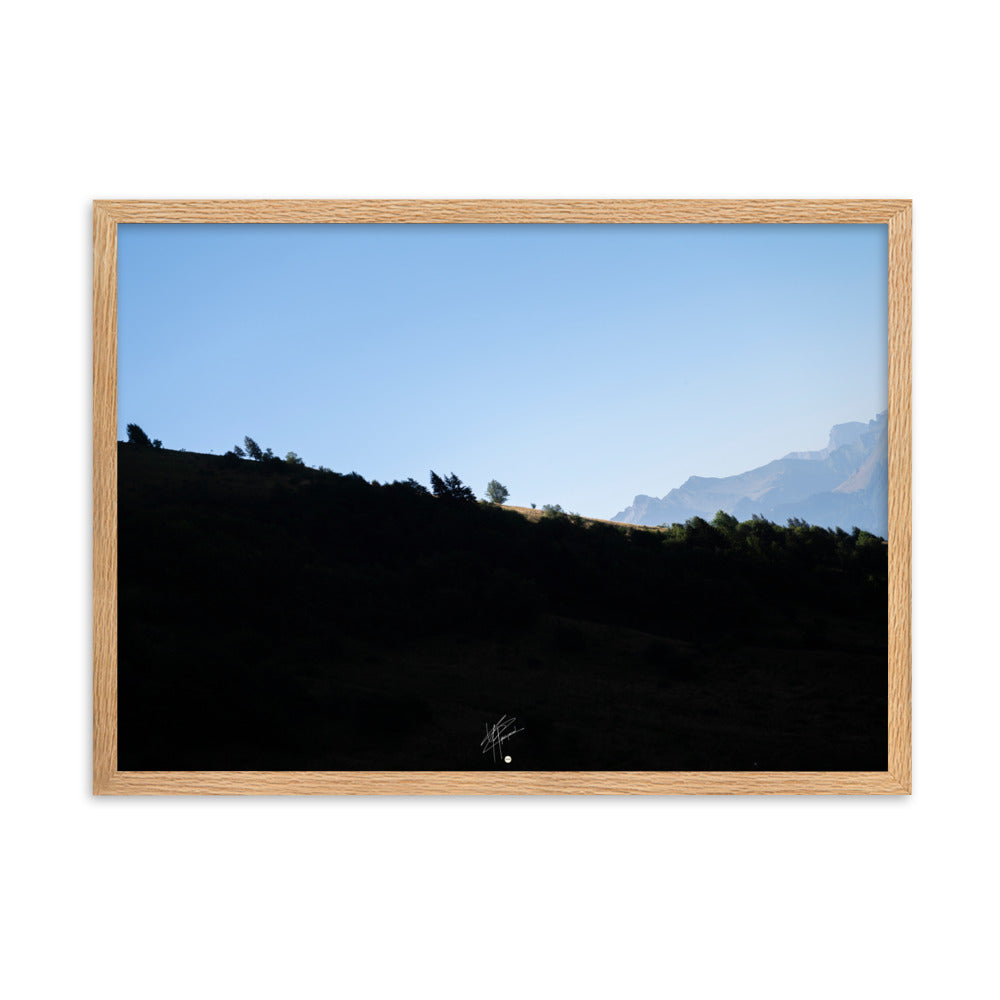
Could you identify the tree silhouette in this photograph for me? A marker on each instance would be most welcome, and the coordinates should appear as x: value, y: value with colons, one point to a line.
x: 412, y: 484
x: 137, y: 436
x: 496, y: 492
x: 253, y: 449
x: 450, y: 488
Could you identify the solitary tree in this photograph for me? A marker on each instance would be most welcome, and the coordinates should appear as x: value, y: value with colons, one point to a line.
x: 496, y: 492
x: 253, y: 449
x: 292, y: 459
x: 137, y: 436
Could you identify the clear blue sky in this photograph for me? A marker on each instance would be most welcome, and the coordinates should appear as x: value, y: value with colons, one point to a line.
x: 577, y: 364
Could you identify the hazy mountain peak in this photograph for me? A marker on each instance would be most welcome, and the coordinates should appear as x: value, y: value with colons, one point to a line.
x: 843, y: 485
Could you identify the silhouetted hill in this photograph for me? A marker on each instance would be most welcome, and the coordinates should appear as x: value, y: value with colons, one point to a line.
x: 278, y: 617
x: 844, y: 485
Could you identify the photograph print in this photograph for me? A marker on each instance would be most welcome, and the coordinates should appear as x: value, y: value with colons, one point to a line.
x: 502, y: 497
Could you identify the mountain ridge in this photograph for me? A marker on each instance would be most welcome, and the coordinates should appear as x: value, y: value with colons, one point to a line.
x: 843, y: 485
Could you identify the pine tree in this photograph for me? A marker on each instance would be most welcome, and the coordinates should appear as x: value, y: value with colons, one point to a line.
x: 137, y: 436
x: 450, y: 488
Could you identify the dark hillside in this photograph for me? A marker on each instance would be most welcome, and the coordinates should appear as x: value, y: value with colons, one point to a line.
x: 276, y: 617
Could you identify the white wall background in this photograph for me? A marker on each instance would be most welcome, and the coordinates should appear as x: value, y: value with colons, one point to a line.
x: 357, y: 898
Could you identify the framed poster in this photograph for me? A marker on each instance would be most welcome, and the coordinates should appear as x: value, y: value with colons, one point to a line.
x: 508, y: 497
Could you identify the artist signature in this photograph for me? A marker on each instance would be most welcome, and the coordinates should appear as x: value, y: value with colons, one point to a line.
x: 492, y: 742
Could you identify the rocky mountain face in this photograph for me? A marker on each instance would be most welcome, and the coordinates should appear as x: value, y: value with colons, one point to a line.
x: 846, y: 484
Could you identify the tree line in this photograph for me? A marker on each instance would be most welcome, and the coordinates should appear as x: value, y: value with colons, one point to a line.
x: 757, y: 537
x: 448, y: 487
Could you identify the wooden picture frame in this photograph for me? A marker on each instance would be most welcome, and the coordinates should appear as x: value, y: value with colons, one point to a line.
x: 108, y: 780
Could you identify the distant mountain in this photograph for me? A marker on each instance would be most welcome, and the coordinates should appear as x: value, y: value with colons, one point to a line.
x: 844, y: 485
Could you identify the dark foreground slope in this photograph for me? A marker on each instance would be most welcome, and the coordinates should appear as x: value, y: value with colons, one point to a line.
x: 273, y: 617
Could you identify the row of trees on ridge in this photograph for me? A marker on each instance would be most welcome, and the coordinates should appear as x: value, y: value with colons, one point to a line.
x: 446, y: 488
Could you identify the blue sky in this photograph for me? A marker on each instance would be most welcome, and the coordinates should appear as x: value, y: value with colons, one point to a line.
x: 577, y: 364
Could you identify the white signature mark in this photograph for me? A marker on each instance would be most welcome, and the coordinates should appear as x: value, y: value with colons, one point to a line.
x: 492, y: 742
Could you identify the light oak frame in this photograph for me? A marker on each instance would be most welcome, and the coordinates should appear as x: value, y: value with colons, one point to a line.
x: 108, y: 780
